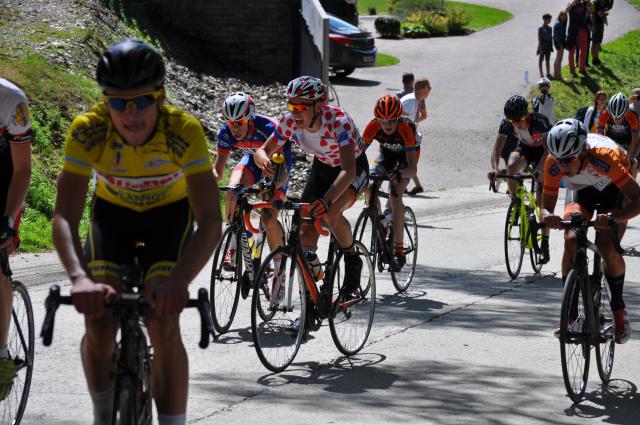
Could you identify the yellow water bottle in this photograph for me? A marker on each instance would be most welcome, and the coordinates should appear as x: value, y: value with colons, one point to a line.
x: 278, y: 161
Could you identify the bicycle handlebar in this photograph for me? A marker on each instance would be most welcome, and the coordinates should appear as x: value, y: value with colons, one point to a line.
x: 517, y: 177
x: 129, y: 302
x: 303, y: 207
x: 576, y: 222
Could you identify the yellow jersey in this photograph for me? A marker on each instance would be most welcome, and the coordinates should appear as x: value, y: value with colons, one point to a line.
x: 137, y: 177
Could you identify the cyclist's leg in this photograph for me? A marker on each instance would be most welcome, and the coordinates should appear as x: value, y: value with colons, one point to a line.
x: 243, y: 174
x: 169, y: 368
x: 517, y: 162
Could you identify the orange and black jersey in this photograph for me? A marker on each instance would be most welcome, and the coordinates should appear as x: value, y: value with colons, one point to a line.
x: 619, y: 133
x: 604, y: 162
x: 403, y: 139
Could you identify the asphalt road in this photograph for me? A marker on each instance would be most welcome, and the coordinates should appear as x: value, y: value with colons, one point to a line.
x: 465, y: 345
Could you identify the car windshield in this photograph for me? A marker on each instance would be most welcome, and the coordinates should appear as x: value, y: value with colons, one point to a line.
x: 342, y: 26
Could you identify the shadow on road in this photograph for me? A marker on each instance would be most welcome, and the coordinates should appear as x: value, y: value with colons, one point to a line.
x: 618, y: 402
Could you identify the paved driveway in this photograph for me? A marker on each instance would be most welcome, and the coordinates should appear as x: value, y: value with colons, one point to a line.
x: 471, y: 76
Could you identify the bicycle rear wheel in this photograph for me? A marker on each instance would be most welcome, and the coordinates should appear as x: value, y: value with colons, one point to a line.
x: 605, y: 350
x: 513, y: 240
x: 575, y: 347
x: 534, y: 232
x: 277, y: 322
x: 21, y: 343
x: 402, y: 279
x: 351, y: 318
x: 225, y: 283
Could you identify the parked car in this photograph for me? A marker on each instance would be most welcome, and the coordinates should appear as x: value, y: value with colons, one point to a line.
x: 349, y: 47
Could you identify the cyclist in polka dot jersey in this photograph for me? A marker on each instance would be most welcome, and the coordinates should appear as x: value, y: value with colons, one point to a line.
x: 340, y: 171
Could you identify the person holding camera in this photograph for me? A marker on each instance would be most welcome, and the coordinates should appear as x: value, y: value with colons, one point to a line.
x: 634, y: 104
x: 578, y: 34
x: 598, y: 21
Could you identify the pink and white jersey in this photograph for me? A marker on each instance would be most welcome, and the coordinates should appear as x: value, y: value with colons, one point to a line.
x: 337, y: 130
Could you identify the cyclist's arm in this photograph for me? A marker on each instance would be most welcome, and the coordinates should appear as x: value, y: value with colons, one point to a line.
x: 21, y: 158
x: 497, y: 150
x: 262, y: 155
x: 633, y: 146
x: 205, y: 204
x: 221, y: 162
x: 412, y: 165
x: 70, y: 198
x: 346, y: 175
x: 631, y: 190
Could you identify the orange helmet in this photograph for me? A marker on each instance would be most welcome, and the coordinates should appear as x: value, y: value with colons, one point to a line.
x: 388, y: 108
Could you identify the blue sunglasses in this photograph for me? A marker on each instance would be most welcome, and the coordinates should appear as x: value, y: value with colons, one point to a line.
x: 141, y: 102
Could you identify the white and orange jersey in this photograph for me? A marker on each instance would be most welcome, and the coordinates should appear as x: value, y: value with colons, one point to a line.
x: 604, y: 163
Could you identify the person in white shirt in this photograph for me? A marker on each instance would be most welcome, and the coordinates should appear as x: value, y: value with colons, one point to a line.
x: 543, y: 103
x: 634, y: 105
x: 411, y: 107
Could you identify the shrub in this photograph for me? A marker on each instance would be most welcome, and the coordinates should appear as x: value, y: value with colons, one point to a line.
x: 372, y: 10
x: 388, y: 26
x: 414, y: 30
x: 457, y: 20
x: 436, y: 24
x: 425, y: 24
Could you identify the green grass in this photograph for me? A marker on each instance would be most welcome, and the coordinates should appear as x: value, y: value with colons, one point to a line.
x: 482, y: 16
x: 619, y: 72
x: 382, y: 59
x: 636, y: 3
x: 382, y: 6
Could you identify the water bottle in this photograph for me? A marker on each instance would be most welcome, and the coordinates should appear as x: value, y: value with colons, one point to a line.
x: 278, y: 164
x: 316, y: 268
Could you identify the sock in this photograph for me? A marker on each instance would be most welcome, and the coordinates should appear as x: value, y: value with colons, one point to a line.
x: 615, y: 285
x: 4, y: 353
x: 102, y: 406
x: 172, y: 419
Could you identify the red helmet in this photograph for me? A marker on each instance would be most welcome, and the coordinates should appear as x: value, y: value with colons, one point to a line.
x: 388, y: 108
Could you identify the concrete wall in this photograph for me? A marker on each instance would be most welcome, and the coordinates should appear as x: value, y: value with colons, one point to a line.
x: 259, y: 37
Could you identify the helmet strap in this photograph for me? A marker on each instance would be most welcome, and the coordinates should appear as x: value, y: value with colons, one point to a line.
x: 316, y: 114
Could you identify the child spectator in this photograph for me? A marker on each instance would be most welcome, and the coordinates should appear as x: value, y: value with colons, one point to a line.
x: 545, y: 43
x: 593, y: 112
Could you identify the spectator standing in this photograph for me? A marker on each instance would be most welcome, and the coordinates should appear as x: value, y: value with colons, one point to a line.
x: 543, y: 103
x: 545, y: 44
x: 407, y: 85
x: 413, y: 107
x: 593, y: 112
x: 560, y: 43
x: 634, y: 105
x: 598, y: 21
x: 578, y: 34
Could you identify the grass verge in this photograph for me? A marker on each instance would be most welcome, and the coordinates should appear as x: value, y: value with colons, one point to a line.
x: 619, y: 71
x: 383, y: 59
x: 482, y: 17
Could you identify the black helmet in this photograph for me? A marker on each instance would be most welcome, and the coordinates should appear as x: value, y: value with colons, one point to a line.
x: 130, y: 64
x: 516, y: 107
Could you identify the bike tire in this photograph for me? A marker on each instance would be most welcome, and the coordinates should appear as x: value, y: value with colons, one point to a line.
x: 513, y: 240
x: 125, y: 404
x: 402, y: 279
x: 575, y: 346
x: 21, y: 345
x: 276, y: 339
x: 224, y: 289
x: 364, y: 232
x: 605, y: 350
x: 350, y: 320
x: 536, y: 265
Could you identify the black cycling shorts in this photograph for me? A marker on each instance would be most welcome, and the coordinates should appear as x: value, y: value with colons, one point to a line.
x: 115, y: 231
x: 589, y: 198
x: 322, y: 177
x: 387, y: 161
x: 531, y: 154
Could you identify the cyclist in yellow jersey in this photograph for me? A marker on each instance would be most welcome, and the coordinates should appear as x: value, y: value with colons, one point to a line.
x: 153, y: 177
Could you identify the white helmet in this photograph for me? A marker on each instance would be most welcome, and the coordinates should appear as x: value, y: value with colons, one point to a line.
x: 309, y: 88
x: 566, y: 138
x: 544, y: 81
x: 238, y: 106
x: 618, y: 105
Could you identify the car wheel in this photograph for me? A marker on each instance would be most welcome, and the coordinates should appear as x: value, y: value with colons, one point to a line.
x: 343, y: 72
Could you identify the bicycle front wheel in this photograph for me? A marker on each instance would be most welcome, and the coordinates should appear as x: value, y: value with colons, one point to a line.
x: 21, y: 343
x: 224, y: 291
x: 575, y: 347
x: 278, y: 314
x: 351, y: 317
x: 605, y: 350
x: 365, y: 233
x: 513, y: 240
x: 402, y: 279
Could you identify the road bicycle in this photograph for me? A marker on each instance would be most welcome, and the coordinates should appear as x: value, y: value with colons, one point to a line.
x: 378, y: 237
x: 132, y: 397
x: 282, y: 318
x: 586, y: 319
x: 231, y: 280
x: 21, y: 343
x: 518, y: 236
